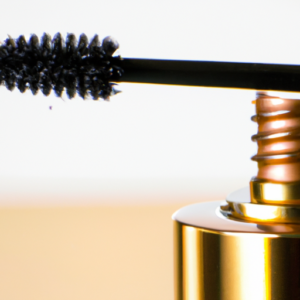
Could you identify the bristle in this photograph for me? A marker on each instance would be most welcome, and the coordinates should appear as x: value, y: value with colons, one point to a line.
x: 84, y: 67
x: 46, y: 86
x: 110, y: 45
x: 10, y: 42
x: 45, y: 45
x: 21, y: 82
x: 71, y: 43
x: 94, y: 47
x: 10, y: 81
x: 82, y: 44
x: 21, y: 43
x: 57, y: 43
x: 33, y: 42
x: 94, y: 42
x: 3, y: 51
x: 70, y: 83
x: 58, y: 88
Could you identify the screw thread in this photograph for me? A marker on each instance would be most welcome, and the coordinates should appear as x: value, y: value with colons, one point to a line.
x: 278, y: 138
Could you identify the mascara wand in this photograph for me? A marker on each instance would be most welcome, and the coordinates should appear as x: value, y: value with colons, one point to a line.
x: 256, y: 76
x: 89, y: 68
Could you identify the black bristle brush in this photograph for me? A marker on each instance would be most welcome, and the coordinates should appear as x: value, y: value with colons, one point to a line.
x: 83, y: 66
x: 89, y: 68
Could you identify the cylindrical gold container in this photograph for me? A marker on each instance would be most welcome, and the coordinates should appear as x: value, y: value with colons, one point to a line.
x: 222, y: 259
x: 248, y: 247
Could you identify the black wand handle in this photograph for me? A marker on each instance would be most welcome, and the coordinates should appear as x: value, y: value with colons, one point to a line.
x: 212, y: 74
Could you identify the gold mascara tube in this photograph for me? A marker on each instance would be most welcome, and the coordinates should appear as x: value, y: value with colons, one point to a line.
x: 248, y: 246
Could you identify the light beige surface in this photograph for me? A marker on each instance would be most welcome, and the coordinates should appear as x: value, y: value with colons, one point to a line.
x: 78, y: 253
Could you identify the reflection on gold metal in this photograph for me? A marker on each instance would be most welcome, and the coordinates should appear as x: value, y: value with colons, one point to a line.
x: 239, y: 206
x: 220, y: 259
x: 248, y: 247
x: 265, y: 192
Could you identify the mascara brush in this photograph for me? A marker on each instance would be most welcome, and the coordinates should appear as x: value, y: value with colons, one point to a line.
x: 89, y: 68
x: 84, y: 67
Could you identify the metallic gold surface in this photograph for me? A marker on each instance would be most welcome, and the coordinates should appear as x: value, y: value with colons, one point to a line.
x: 248, y: 248
x: 277, y: 193
x: 221, y: 259
x: 239, y: 206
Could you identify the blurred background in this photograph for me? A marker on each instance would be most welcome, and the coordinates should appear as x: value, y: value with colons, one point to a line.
x: 88, y: 188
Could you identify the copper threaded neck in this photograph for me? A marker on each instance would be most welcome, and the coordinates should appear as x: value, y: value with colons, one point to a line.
x: 278, y: 138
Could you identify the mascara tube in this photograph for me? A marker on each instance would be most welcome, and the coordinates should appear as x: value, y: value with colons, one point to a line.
x: 248, y: 246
